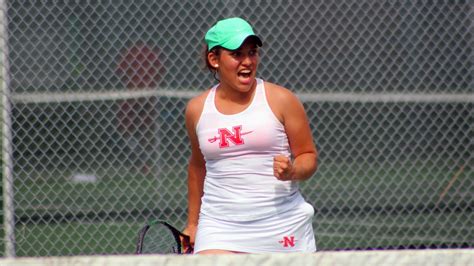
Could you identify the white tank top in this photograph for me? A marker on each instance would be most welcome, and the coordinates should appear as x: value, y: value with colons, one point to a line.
x: 239, y: 150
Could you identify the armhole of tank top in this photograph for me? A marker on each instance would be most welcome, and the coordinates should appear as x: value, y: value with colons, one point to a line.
x: 275, y: 118
x: 267, y: 104
x: 209, y: 97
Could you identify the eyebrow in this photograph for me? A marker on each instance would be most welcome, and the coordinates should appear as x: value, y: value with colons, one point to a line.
x: 250, y: 48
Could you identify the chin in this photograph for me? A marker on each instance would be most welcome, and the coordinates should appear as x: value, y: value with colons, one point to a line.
x: 249, y: 83
x: 245, y: 87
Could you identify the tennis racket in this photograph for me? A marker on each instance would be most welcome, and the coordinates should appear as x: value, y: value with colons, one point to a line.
x: 159, y: 237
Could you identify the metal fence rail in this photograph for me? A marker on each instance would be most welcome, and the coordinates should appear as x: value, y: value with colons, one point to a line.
x: 93, y: 129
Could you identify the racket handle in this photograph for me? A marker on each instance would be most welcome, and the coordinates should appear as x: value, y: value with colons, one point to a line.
x: 186, y: 244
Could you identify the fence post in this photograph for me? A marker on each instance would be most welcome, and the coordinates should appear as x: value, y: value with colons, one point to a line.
x: 8, y: 209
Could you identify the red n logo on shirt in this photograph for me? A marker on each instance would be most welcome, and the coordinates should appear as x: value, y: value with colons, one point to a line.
x: 288, y: 241
x: 225, y: 136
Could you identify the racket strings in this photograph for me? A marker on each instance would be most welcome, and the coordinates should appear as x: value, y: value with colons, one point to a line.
x: 160, y: 240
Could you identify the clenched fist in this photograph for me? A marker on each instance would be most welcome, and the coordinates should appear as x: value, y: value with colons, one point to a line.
x: 282, y: 168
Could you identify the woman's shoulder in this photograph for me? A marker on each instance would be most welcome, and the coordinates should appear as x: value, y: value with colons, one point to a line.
x: 280, y: 99
x: 195, y: 105
x: 277, y: 92
x: 200, y: 98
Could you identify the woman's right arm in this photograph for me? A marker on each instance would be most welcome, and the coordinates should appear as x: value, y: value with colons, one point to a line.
x: 196, y: 168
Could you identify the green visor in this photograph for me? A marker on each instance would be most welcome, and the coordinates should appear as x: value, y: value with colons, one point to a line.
x: 230, y: 34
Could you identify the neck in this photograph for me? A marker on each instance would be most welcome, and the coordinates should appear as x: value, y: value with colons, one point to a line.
x: 237, y: 95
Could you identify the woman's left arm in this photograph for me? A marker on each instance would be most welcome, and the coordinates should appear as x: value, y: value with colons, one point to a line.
x: 304, y: 152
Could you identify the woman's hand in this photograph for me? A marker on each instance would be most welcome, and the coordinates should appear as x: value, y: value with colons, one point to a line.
x: 191, y: 232
x: 282, y: 168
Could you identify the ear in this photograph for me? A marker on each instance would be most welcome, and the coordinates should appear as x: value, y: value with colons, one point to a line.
x: 213, y: 59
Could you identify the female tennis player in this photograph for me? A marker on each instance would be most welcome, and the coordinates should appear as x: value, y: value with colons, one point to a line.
x: 251, y: 145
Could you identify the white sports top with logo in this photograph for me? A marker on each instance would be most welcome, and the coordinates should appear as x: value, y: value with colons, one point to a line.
x: 239, y: 150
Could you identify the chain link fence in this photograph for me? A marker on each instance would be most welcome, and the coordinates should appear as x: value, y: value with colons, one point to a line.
x: 93, y: 127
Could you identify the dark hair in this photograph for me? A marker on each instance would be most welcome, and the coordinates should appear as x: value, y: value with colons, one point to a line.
x: 216, y: 50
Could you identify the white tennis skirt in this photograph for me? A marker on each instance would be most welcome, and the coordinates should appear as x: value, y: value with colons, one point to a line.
x: 290, y: 231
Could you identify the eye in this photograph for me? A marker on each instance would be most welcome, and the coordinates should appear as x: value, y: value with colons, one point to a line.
x: 236, y: 54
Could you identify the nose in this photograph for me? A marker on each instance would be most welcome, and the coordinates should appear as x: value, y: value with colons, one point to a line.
x: 247, y: 59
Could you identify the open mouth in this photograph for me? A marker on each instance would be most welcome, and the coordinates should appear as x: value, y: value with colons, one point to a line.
x: 245, y: 74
